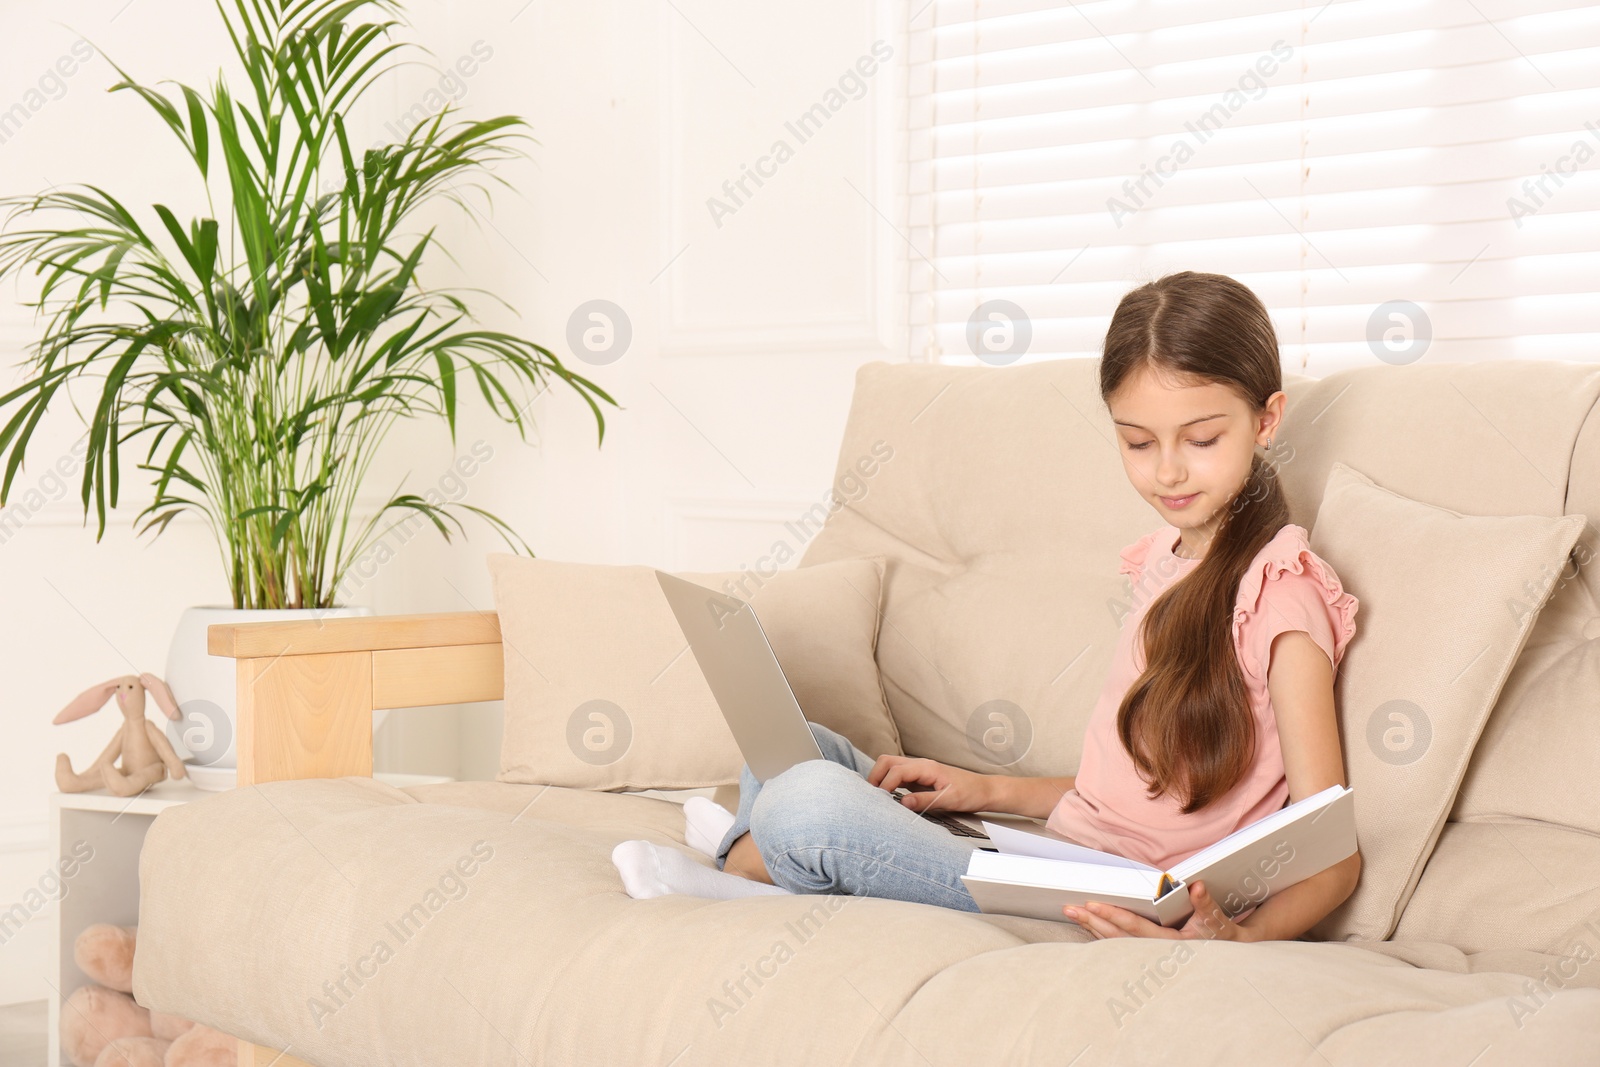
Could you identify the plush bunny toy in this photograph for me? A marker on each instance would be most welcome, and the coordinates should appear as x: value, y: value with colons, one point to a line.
x: 147, y: 755
x: 103, y: 1026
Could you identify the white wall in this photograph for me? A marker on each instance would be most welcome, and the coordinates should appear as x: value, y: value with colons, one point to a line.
x: 733, y: 392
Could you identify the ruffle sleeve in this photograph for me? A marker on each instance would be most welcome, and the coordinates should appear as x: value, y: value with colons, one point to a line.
x: 1290, y: 587
x: 1133, y: 556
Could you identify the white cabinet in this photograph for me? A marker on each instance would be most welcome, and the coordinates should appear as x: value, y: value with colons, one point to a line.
x: 95, y: 842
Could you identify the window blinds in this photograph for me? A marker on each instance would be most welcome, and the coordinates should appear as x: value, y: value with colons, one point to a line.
x: 1397, y: 180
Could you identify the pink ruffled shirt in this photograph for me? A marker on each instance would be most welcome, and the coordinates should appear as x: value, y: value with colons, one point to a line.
x: 1286, y: 587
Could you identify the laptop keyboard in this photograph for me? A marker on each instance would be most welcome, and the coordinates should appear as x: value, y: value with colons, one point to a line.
x: 955, y: 826
x: 946, y: 820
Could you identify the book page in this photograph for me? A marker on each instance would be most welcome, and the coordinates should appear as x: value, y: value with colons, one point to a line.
x: 1015, y: 842
x: 1065, y: 874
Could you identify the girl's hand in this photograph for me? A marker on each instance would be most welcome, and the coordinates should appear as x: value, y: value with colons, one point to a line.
x: 949, y: 788
x: 1209, y: 922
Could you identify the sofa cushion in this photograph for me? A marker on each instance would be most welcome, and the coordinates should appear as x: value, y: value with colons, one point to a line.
x: 1519, y: 884
x: 602, y: 691
x: 1412, y: 694
x: 356, y: 927
x: 1543, y: 737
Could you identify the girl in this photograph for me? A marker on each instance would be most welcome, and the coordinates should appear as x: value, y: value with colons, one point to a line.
x: 1218, y: 708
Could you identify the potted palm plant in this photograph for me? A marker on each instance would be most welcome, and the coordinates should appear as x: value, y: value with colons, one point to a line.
x: 252, y: 360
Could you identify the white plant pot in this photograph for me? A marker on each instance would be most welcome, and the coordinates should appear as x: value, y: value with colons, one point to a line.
x: 205, y: 689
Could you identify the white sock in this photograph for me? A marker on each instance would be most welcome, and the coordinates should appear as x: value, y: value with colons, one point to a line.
x: 648, y: 870
x: 706, y: 823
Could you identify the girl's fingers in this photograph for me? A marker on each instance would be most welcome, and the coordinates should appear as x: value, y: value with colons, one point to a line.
x: 910, y: 772
x: 895, y: 778
x: 1209, y: 914
x: 1124, y: 922
x: 1092, y: 920
x: 1077, y: 914
x: 882, y: 767
x: 1203, y: 901
x: 887, y: 771
x: 922, y: 800
x: 1108, y: 920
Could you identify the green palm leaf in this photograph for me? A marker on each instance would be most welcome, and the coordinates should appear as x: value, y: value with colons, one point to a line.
x: 263, y: 356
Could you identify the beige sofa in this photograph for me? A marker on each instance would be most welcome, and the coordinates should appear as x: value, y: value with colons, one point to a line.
x: 263, y: 908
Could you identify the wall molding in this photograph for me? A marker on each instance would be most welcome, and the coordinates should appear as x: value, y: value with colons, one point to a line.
x: 871, y: 329
x: 781, y: 513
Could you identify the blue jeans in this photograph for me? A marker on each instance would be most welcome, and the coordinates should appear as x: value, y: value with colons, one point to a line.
x: 822, y: 827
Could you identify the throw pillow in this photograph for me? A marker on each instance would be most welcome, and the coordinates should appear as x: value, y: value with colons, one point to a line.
x: 602, y: 691
x: 1418, y: 680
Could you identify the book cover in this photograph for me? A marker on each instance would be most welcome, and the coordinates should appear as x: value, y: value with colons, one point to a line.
x: 1035, y: 874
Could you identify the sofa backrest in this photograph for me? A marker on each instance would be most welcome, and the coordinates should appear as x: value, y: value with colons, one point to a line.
x: 999, y: 499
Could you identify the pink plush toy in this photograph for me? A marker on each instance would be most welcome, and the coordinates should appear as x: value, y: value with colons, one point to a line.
x: 102, y: 1026
x: 147, y: 755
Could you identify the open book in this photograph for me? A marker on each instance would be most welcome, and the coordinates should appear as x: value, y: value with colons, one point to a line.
x: 1036, y: 873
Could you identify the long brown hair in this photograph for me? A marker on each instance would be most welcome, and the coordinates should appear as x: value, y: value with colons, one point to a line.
x: 1186, y: 721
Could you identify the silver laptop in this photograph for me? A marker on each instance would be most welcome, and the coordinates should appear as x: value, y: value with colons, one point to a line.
x: 755, y: 697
